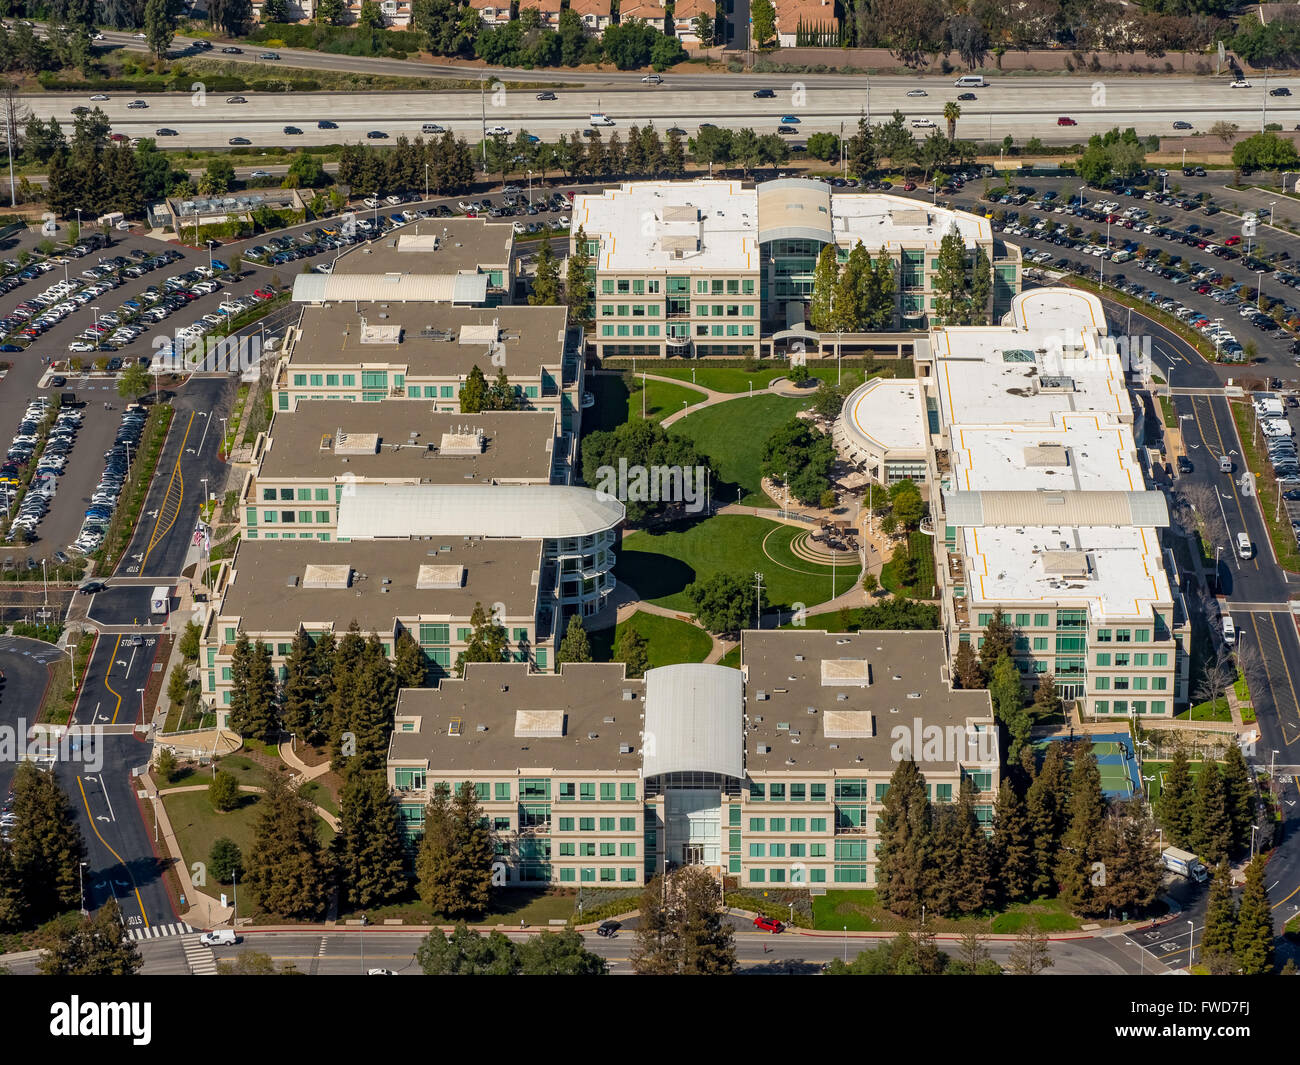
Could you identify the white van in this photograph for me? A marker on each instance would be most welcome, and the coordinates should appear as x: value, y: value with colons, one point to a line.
x: 970, y: 81
x: 1229, y: 631
x: 1244, y: 547
x: 221, y: 937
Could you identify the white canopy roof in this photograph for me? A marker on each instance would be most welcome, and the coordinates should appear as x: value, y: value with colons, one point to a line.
x: 694, y: 721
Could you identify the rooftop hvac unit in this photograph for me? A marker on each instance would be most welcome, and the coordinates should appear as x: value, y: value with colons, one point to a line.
x: 624, y: 748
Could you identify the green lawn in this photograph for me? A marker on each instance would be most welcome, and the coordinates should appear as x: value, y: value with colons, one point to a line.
x: 315, y: 792
x: 921, y: 548
x: 722, y: 378
x: 1159, y: 769
x: 1205, y: 712
x: 860, y: 912
x: 660, y: 565
x: 509, y: 905
x: 660, y: 399
x: 731, y: 659
x: 1167, y: 411
x: 732, y: 435
x: 669, y: 641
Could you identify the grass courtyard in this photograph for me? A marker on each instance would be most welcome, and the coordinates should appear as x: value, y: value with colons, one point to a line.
x: 668, y: 640
x: 859, y: 911
x: 619, y: 399
x: 660, y: 565
x: 732, y: 435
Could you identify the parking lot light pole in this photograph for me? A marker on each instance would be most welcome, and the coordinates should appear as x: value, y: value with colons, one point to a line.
x: 426, y: 181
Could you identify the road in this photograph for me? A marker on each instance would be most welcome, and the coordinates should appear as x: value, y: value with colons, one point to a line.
x: 1028, y: 107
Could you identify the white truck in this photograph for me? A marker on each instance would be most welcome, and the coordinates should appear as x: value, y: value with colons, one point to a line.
x: 160, y: 600
x: 1184, y: 863
x: 599, y: 118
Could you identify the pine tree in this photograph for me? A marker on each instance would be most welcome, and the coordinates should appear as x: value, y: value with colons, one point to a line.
x: 825, y: 277
x: 966, y: 668
x: 884, y: 291
x: 371, y: 857
x: 474, y: 394
x: 1219, y: 939
x: 1240, y: 797
x: 1175, y: 806
x: 575, y: 647
x: 1046, y: 807
x: 1008, y: 695
x: 253, y: 710
x: 906, y: 838
x: 298, y: 701
x: 371, y: 715
x: 45, y: 845
x: 999, y: 640
x: 972, y: 878
x: 286, y: 866
x: 1012, y: 845
x: 546, y: 279
x: 454, y: 862
x: 631, y: 649
x: 409, y: 662
x: 681, y: 930
x: 1253, y: 939
x: 1130, y: 860
x: 942, y: 860
x: 488, y: 641
x: 1212, y: 828
x: 1080, y: 845
x: 1047, y: 700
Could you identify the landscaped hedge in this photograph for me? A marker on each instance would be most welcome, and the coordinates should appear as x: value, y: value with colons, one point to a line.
x: 217, y: 83
x: 339, y: 40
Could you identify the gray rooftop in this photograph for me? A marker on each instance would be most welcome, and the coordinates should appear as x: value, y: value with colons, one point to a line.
x: 818, y: 700
x: 401, y: 439
x: 432, y: 339
x: 1146, y: 510
x: 582, y: 699
x: 432, y: 246
x: 268, y: 591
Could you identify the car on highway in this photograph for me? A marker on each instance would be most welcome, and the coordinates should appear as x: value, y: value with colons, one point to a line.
x: 497, y: 131
x: 139, y: 36
x: 1180, y: 124
x: 653, y: 79
x: 764, y: 94
x: 917, y: 92
x: 325, y: 123
x: 1065, y: 120
x: 99, y: 98
x: 967, y: 96
x: 260, y: 174
x: 165, y: 132
x: 292, y: 131
x: 1240, y: 83
x: 136, y: 105
x: 377, y: 135
x: 790, y: 120
x: 236, y: 99
x: 677, y: 130
x: 1281, y: 90
x: 239, y: 140
x: 230, y: 49
x: 786, y: 131
x: 923, y: 123
x: 269, y: 55
x: 546, y: 96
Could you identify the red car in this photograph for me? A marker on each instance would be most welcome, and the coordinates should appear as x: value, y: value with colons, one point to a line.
x: 768, y: 924
x: 263, y: 293
x: 1232, y: 240
x: 1063, y: 121
x: 909, y: 186
x: 118, y: 137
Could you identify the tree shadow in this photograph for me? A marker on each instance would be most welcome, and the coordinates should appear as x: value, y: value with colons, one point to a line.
x: 653, y: 575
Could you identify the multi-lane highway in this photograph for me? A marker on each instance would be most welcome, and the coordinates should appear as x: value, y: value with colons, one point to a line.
x: 1023, y: 107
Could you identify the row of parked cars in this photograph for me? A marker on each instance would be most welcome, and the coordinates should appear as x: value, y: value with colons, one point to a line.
x: 115, y: 328
x: 1278, y: 435
x: 117, y: 467
x: 53, y: 459
x: 280, y: 250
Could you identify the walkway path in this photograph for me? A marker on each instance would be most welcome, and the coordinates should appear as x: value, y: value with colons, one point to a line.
x: 712, y: 395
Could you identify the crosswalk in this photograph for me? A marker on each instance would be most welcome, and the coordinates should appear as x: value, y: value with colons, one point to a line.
x: 198, y: 957
x: 157, y: 931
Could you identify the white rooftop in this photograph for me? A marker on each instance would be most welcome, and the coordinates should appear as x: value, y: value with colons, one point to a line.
x: 1078, y: 453
x: 889, y: 414
x: 1126, y: 574
x: 880, y: 220
x: 680, y: 225
x: 1062, y: 309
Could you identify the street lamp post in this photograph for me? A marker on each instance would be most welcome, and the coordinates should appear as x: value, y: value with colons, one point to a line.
x: 1259, y: 289
x: 140, y: 692
x: 530, y: 188
x: 1271, y: 204
x: 81, y: 886
x: 426, y: 181
x: 1191, y: 943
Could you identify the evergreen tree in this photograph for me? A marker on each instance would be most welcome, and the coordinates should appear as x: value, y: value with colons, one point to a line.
x: 577, y: 283
x: 299, y: 707
x: 559, y: 954
x: 488, y: 641
x: 825, y: 279
x: 225, y: 860
x: 631, y: 649
x: 999, y: 640
x: 371, y: 857
x: 1012, y: 845
x: 1046, y: 806
x: 1219, y: 939
x: 966, y: 668
x: 466, y: 953
x: 374, y: 697
x: 971, y: 874
x: 1253, y: 940
x: 884, y: 288
x: 409, y: 662
x: 1240, y: 798
x: 546, y: 280
x: 906, y: 838
x: 1212, y: 828
x: 454, y: 862
x: 286, y: 867
x: 1080, y: 845
x: 96, y: 945
x: 474, y: 393
x: 223, y: 792
x: 1008, y: 695
x: 1175, y: 807
x: 575, y: 647
x: 1131, y: 861
x: 853, y: 292
x: 981, y: 288
x: 1047, y: 700
x: 348, y: 659
x: 674, y: 154
x: 951, y: 283
x: 253, y: 710
x: 45, y: 846
x: 681, y: 929
x: 159, y: 27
